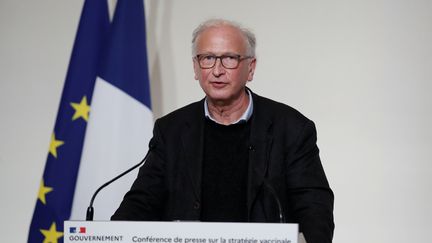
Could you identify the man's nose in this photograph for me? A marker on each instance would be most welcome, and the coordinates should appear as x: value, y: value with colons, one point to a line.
x: 218, y: 69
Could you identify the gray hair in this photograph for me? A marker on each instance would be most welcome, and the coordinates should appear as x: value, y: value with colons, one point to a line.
x: 249, y: 36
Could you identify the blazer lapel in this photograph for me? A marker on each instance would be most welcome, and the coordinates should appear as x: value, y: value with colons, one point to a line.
x: 192, y: 142
x: 261, y: 139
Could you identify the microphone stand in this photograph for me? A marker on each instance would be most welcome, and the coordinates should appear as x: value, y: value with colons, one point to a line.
x: 90, y: 210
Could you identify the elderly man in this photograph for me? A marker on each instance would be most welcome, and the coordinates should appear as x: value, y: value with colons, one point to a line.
x: 233, y: 156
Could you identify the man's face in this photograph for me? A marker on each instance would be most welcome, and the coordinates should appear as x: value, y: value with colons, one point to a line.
x: 220, y: 84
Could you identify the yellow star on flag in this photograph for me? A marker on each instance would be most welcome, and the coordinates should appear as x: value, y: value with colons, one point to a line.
x: 81, y: 110
x: 51, y: 235
x: 43, y: 190
x: 54, y: 145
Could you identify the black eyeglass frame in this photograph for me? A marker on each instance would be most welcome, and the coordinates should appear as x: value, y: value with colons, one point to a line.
x: 221, y: 57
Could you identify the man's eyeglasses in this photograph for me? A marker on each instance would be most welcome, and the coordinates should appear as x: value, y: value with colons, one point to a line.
x: 228, y: 61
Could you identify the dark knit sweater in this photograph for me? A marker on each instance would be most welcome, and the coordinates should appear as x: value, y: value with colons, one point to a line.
x: 225, y: 170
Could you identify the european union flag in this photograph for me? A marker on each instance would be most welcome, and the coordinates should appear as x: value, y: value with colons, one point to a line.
x: 104, y: 120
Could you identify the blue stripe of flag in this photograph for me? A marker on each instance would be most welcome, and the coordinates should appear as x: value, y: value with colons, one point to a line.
x: 124, y: 64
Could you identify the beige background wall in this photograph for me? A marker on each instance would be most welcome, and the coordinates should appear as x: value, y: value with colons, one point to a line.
x: 362, y: 70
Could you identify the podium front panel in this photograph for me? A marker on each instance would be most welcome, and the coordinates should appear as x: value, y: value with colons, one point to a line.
x: 178, y: 232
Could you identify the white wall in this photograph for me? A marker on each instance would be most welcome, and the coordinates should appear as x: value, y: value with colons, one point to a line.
x: 362, y: 70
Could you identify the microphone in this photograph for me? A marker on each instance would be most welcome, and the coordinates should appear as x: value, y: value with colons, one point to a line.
x: 275, y: 196
x: 269, y: 188
x: 90, y: 210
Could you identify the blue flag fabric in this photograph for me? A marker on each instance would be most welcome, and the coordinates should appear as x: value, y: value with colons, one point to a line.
x: 101, y: 49
x: 123, y: 62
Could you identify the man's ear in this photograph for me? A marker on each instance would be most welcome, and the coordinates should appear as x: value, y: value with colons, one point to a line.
x: 196, y: 68
x: 251, y: 70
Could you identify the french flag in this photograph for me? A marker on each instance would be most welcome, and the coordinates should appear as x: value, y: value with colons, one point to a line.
x: 73, y: 230
x: 121, y: 120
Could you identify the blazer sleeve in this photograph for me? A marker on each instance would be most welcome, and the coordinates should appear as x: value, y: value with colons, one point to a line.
x: 145, y: 200
x: 309, y: 195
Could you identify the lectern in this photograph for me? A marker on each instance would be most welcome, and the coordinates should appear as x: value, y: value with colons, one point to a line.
x: 179, y: 232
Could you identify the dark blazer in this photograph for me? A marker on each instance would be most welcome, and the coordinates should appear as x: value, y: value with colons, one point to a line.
x: 283, y: 162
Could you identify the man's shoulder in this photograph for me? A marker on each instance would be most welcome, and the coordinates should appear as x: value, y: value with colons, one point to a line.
x: 272, y: 108
x: 184, y: 113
